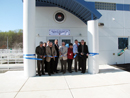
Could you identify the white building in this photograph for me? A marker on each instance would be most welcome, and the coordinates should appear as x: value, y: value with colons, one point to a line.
x: 106, y: 22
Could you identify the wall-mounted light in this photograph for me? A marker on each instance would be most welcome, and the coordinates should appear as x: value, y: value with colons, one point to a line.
x: 113, y: 19
x: 38, y: 35
x: 80, y: 34
x: 100, y: 24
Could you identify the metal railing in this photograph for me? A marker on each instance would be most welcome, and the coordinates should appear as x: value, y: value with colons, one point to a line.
x: 11, y: 56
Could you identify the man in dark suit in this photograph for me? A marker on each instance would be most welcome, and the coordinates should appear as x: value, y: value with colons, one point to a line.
x: 56, y: 58
x: 45, y: 45
x: 41, y: 52
x: 83, y: 55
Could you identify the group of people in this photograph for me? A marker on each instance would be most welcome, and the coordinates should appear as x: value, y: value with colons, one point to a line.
x: 50, y: 54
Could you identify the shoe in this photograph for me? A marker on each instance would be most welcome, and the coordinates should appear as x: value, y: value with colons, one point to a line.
x: 83, y: 72
x: 52, y: 72
x: 79, y: 69
x: 49, y: 74
x: 43, y: 73
x: 70, y: 71
x: 75, y: 70
x: 56, y: 71
x: 39, y: 74
x: 63, y: 72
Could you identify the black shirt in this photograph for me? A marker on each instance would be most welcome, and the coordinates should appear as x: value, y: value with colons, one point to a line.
x: 51, y: 50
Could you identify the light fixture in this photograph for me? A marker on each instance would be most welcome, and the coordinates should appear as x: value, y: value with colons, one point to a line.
x: 38, y: 35
x: 113, y: 19
x: 100, y: 24
x: 80, y: 34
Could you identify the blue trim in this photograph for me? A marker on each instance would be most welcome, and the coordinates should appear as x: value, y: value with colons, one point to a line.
x: 119, y: 6
x: 126, y: 7
x: 45, y: 4
x: 123, y: 7
x: 90, y: 8
x: 91, y: 16
x: 28, y: 54
x: 79, y: 8
x: 91, y: 3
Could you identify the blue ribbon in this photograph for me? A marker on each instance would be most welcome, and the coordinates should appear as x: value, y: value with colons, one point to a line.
x: 33, y: 58
x: 61, y: 56
x: 24, y: 56
x: 93, y: 54
x: 75, y: 56
x: 50, y: 56
x: 28, y: 54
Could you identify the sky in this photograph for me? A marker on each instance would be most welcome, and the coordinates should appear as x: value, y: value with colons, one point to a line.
x: 11, y: 15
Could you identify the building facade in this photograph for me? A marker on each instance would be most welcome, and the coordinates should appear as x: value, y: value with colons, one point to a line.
x: 67, y: 20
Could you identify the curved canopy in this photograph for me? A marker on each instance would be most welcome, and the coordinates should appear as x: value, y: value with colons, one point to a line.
x: 79, y: 8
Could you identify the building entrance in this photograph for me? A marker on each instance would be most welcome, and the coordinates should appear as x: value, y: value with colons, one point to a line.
x: 67, y: 40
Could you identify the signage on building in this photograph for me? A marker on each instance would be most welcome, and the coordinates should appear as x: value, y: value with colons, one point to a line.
x: 59, y: 32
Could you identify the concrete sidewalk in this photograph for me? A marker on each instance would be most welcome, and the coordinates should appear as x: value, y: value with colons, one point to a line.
x: 109, y: 83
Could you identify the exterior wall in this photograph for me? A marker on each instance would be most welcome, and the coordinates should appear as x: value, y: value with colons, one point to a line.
x: 45, y: 21
x: 108, y: 34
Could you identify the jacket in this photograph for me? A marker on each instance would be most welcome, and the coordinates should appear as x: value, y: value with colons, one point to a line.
x: 40, y: 51
x: 63, y: 51
x: 57, y: 50
x: 85, y: 51
x: 70, y: 53
x: 48, y: 53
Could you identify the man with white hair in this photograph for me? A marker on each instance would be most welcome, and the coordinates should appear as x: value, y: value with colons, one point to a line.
x: 63, y: 57
x: 51, y: 53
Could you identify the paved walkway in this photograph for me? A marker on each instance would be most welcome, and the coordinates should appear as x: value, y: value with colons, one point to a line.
x: 109, y: 83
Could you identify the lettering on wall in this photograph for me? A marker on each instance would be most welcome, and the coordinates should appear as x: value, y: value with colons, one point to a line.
x: 59, y: 32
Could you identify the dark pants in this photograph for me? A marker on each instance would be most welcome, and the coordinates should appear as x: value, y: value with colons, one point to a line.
x: 70, y: 64
x: 83, y: 64
x: 39, y: 63
x: 50, y: 66
x: 63, y: 65
x: 46, y: 66
x: 76, y: 62
x: 56, y: 63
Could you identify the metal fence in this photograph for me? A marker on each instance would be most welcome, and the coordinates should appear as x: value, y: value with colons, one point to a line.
x: 8, y: 56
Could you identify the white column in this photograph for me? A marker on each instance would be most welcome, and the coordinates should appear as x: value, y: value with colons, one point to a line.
x: 93, y: 45
x: 29, y: 37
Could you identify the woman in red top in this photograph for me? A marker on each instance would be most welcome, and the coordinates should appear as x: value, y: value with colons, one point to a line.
x: 70, y: 57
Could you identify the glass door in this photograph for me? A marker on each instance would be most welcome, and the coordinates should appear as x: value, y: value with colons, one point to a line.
x: 52, y: 39
x: 67, y: 40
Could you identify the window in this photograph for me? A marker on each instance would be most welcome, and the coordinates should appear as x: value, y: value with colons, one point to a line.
x: 122, y: 43
x: 67, y: 41
x: 105, y: 6
x: 59, y: 16
x: 52, y: 40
